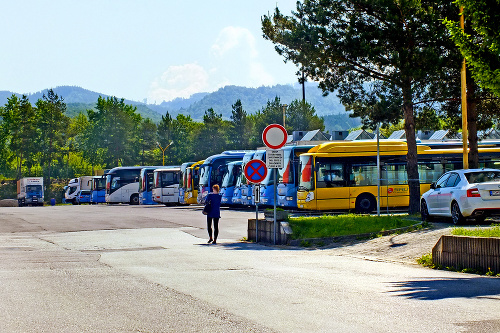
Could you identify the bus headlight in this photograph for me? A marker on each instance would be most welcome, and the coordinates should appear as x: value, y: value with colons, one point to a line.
x: 310, y: 196
x: 289, y: 198
x: 264, y: 200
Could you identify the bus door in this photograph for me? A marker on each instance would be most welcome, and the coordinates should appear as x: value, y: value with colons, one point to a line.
x: 362, y: 180
x: 331, y: 184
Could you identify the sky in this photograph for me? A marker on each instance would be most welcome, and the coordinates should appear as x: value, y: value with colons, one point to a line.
x: 139, y: 49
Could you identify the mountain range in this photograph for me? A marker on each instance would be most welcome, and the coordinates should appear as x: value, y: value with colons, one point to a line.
x: 79, y: 99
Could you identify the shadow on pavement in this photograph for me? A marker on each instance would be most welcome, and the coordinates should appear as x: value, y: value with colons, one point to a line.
x: 436, y: 289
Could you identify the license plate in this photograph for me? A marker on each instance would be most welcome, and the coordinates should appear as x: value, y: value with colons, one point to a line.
x: 495, y: 193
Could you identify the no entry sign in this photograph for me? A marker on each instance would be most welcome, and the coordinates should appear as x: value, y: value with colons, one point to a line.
x: 255, y: 171
x: 274, y: 136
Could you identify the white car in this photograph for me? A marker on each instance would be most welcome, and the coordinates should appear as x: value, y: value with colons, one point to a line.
x: 461, y: 194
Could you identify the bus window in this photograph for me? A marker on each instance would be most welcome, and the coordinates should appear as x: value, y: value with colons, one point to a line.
x: 329, y: 174
x: 115, y: 183
x: 363, y: 174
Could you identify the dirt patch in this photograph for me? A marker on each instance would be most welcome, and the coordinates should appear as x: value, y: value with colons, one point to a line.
x: 8, y: 203
x: 403, y: 248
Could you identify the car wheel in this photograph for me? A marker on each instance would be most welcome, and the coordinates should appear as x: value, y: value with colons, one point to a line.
x: 456, y: 215
x: 424, y: 211
x: 134, y: 199
x: 365, y: 204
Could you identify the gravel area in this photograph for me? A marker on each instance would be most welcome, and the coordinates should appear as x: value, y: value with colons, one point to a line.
x: 404, y: 248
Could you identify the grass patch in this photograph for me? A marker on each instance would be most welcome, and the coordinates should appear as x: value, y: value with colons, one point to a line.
x: 342, y: 225
x: 493, y: 231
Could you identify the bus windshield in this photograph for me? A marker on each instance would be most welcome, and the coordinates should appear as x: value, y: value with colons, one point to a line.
x: 99, y: 184
x: 307, y: 175
x: 231, y: 176
x: 286, y: 174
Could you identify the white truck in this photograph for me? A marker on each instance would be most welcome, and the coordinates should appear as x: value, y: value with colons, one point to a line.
x: 30, y: 191
x: 75, y: 185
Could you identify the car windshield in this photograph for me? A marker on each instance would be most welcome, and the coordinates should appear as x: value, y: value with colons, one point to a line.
x: 482, y: 176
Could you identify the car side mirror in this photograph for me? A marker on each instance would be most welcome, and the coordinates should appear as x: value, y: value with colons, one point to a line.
x: 433, y: 186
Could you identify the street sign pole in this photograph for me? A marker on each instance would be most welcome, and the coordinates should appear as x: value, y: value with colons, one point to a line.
x: 275, y: 191
x: 257, y: 200
x: 274, y: 137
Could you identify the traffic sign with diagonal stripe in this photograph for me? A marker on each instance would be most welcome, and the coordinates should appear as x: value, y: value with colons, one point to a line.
x: 255, y: 171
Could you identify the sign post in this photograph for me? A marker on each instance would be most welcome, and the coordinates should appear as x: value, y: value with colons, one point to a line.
x: 274, y: 137
x: 256, y: 172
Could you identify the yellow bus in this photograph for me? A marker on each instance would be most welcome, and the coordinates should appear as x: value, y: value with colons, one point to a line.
x: 193, y: 179
x: 343, y: 175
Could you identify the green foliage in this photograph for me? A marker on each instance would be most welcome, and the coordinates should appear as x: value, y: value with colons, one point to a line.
x: 341, y: 225
x: 115, y: 129
x: 480, y: 42
x: 426, y: 261
x: 493, y: 231
x: 301, y: 116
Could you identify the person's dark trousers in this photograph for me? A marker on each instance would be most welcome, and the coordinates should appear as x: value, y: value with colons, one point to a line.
x: 216, y: 227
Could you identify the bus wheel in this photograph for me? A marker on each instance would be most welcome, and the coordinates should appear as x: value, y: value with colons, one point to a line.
x: 365, y: 203
x: 134, y: 199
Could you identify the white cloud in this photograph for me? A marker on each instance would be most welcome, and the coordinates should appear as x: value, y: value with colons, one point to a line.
x: 231, y: 38
x: 179, y: 81
x: 233, y: 59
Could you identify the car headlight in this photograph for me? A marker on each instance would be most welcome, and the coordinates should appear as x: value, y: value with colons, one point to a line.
x: 310, y: 196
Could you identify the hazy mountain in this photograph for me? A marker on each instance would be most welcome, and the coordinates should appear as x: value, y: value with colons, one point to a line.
x: 253, y: 99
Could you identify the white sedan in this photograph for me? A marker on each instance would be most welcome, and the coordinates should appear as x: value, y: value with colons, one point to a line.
x: 461, y: 194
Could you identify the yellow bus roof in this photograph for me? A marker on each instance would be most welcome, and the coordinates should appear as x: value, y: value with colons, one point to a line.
x: 392, y: 147
x: 197, y: 164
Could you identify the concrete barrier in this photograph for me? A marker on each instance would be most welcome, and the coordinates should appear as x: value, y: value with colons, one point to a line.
x: 266, y: 231
x: 461, y: 252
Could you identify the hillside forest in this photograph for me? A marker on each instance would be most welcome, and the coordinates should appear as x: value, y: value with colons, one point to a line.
x: 41, y: 140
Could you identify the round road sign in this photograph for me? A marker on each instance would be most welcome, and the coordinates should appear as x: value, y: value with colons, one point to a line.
x: 274, y: 136
x: 255, y: 171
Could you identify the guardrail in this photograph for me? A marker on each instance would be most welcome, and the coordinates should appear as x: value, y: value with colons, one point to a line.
x: 461, y: 252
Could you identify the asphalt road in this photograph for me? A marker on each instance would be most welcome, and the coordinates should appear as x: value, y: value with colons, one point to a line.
x: 149, y: 269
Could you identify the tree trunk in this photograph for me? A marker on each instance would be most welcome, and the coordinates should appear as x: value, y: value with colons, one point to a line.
x: 472, y: 124
x: 411, y: 157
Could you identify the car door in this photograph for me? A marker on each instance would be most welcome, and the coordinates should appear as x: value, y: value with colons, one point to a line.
x: 446, y: 193
x: 433, y: 198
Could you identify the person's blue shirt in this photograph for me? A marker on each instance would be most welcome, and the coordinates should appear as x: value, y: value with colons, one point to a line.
x: 214, y: 199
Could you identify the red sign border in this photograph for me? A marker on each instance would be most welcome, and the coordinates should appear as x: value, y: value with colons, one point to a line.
x: 264, y: 133
x: 261, y: 164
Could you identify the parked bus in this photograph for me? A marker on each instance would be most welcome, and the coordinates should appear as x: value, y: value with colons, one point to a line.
x: 122, y: 184
x: 243, y: 191
x: 287, y: 179
x: 213, y: 169
x: 192, y: 183
x: 183, y: 182
x: 229, y: 182
x: 166, y: 185
x: 343, y: 175
x: 98, y: 191
x: 146, y: 184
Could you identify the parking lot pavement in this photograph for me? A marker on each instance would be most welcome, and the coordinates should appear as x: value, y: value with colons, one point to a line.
x: 132, y: 268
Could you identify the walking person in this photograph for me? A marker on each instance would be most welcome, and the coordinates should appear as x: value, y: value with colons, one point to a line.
x: 213, y: 200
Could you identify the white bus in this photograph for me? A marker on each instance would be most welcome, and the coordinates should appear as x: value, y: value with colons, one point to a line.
x: 166, y: 186
x: 122, y: 185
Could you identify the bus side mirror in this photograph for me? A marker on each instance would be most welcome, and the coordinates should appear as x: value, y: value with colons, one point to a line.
x: 433, y: 186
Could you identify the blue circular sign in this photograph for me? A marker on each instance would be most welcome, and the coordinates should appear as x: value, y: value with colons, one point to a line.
x: 255, y: 171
